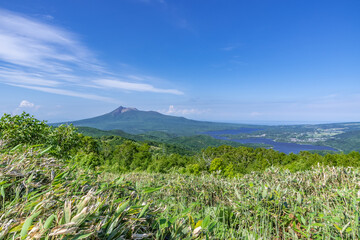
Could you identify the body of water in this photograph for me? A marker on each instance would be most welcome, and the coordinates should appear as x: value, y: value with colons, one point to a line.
x: 279, y: 146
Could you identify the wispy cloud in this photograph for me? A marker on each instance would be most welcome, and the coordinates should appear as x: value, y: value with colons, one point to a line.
x: 43, y: 57
x: 66, y: 92
x: 231, y: 47
x: 29, y: 43
x: 140, y: 87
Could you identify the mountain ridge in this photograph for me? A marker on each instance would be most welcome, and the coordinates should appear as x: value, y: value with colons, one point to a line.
x: 134, y: 121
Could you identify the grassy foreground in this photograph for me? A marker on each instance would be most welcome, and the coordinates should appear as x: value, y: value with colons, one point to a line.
x: 45, y: 198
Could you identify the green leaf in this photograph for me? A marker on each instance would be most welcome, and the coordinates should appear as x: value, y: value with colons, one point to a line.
x: 211, y: 226
x: 144, y: 210
x: 27, y: 224
x: 303, y: 220
x: 60, y: 175
x: 317, y: 225
x: 205, y: 222
x: 82, y: 236
x: 119, y: 181
x: 67, y: 211
x: 173, y: 219
x: 30, y: 178
x: 15, y: 229
x: 2, y: 191
x: 337, y: 227
x: 122, y: 207
x: 48, y: 222
x: 150, y: 190
x: 185, y: 211
x: 163, y: 223
x: 192, y: 222
x: 16, y: 147
x: 45, y: 151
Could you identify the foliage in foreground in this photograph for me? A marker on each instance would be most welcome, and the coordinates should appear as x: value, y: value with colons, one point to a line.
x: 322, y: 203
x: 44, y: 198
x: 53, y: 190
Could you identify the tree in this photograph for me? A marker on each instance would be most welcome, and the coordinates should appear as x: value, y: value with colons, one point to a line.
x: 23, y: 129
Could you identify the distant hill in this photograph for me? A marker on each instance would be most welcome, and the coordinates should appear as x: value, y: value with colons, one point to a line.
x: 134, y: 121
x: 180, y: 144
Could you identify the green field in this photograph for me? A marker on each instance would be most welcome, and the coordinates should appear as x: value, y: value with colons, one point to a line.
x: 43, y: 197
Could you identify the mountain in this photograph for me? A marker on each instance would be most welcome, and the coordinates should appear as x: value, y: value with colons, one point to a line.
x: 134, y: 121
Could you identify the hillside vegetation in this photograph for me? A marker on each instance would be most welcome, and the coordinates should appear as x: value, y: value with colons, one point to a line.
x: 58, y: 184
x: 184, y: 144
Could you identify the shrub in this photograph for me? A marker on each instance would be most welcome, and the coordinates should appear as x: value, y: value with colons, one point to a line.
x: 64, y: 140
x: 89, y: 160
x: 217, y: 165
x: 23, y: 129
x: 193, y: 169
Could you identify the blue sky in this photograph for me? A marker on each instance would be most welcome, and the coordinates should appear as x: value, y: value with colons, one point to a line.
x: 230, y: 61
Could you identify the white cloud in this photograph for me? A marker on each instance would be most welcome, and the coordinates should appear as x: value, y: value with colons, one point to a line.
x: 47, y: 17
x: 171, y: 109
x: 26, y: 104
x: 182, y: 111
x: 135, y: 77
x: 67, y: 93
x: 140, y: 87
x: 21, y: 77
x: 43, y: 57
x: 28, y: 43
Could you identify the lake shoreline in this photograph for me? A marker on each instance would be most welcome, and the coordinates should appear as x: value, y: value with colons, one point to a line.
x: 284, y: 147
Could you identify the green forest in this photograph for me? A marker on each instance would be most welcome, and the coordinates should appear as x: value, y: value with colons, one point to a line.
x: 57, y: 183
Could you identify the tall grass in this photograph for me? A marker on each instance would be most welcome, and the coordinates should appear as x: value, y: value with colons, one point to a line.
x: 42, y: 198
x: 322, y: 203
x: 45, y: 198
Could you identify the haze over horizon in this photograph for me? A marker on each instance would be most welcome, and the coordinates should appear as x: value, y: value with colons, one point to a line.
x: 234, y: 61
